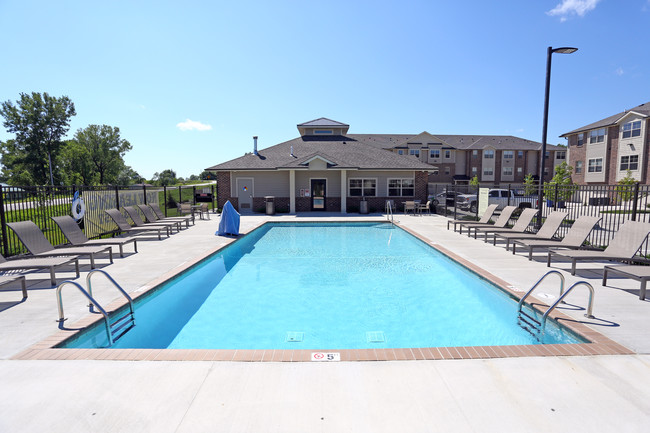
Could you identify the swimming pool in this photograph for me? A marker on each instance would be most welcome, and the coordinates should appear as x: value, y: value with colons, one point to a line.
x: 325, y: 286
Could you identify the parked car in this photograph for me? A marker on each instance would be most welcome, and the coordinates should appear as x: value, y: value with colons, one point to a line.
x: 446, y: 197
x: 500, y: 197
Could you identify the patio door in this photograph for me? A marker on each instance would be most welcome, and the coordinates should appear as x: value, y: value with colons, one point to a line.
x: 245, y: 194
x: 318, y: 191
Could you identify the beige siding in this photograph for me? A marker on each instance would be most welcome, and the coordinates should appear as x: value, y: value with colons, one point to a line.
x: 265, y: 183
x: 595, y: 151
x: 631, y: 146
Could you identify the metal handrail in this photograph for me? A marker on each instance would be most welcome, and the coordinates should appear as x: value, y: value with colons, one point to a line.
x: 590, y: 307
x: 92, y: 301
x: 117, y: 286
x: 389, y: 207
x: 523, y: 298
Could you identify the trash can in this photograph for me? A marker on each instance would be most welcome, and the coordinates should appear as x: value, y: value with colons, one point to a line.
x: 270, y: 204
x: 363, y: 206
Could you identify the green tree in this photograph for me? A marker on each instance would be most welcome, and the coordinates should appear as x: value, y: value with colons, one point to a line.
x: 565, y: 186
x: 102, y: 149
x: 128, y: 176
x: 530, y: 186
x: 39, y: 123
x: 75, y: 164
x: 14, y: 171
x: 165, y: 178
x: 624, y: 187
x: 474, y: 181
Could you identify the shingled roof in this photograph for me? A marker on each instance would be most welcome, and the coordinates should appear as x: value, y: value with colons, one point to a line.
x: 643, y: 110
x: 345, y: 152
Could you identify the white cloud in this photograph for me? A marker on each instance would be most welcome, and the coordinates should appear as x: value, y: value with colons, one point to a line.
x: 573, y: 7
x: 190, y: 125
x: 619, y: 71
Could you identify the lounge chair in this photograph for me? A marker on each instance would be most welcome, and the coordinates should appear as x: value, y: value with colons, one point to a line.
x: 38, y: 245
x: 161, y: 215
x: 545, y: 233
x: 623, y: 246
x: 137, y: 220
x: 76, y: 236
x: 574, y: 238
x: 124, y: 226
x: 502, y: 221
x: 520, y: 226
x: 485, y: 219
x: 636, y: 272
x: 153, y: 218
x: 8, y: 279
x: 50, y: 263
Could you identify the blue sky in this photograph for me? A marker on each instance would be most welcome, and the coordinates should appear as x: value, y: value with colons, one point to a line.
x: 189, y: 83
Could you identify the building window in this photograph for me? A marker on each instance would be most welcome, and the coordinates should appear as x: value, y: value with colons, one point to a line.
x: 629, y: 162
x: 401, y: 187
x: 447, y: 154
x: 400, y: 152
x: 322, y: 131
x: 560, y: 154
x: 578, y: 167
x: 547, y: 154
x: 595, y: 165
x: 581, y: 139
x: 632, y: 129
x: 474, y: 152
x: 488, y: 154
x: 520, y: 154
x: 507, y: 171
x: 520, y: 170
x: 415, y: 152
x: 474, y: 170
x: 597, y: 136
x: 447, y: 170
x: 434, y: 153
x: 363, y: 187
x: 508, y: 154
x: 487, y: 171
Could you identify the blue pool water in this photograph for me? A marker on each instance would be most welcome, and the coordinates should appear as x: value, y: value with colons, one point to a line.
x: 325, y: 286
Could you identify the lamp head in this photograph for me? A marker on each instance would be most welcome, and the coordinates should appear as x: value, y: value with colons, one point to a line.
x: 565, y: 50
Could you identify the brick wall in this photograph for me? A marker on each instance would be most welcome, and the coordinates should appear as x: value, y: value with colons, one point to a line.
x: 223, y: 189
x: 421, y: 185
x: 577, y: 153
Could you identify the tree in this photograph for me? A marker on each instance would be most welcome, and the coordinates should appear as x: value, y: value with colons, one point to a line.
x: 530, y: 186
x: 625, y: 185
x: 75, y: 164
x: 166, y: 177
x: 102, y: 149
x: 565, y: 186
x: 128, y: 176
x: 474, y: 181
x: 39, y: 122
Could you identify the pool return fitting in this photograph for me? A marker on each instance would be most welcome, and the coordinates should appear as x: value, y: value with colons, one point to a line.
x: 114, y: 329
x: 537, y: 327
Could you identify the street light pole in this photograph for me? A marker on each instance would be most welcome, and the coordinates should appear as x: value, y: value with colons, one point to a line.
x: 547, y: 90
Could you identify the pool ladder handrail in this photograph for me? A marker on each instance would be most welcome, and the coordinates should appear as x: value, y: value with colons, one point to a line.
x: 119, y: 324
x: 541, y: 325
x: 389, y: 212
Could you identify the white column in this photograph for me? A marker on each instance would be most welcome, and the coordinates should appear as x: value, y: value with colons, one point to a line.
x: 292, y: 191
x: 344, y: 191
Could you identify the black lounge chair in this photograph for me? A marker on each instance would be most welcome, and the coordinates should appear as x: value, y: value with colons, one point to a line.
x: 124, y: 226
x: 76, y: 236
x: 161, y: 216
x: 151, y: 217
x: 137, y: 220
x: 38, y: 245
x: 8, y: 279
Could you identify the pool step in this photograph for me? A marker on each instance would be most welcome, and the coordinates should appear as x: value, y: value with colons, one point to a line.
x: 122, y: 325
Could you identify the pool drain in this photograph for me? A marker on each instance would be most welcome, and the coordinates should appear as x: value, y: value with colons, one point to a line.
x: 294, y: 337
x: 375, y: 337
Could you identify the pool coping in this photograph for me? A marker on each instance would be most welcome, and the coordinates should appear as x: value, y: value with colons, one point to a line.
x: 598, y: 343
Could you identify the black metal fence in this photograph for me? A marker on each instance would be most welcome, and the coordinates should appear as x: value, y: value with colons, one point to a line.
x: 614, y: 204
x: 40, y: 203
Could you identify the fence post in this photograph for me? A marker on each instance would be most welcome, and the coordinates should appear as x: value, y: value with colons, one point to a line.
x: 214, y: 208
x: 180, y: 194
x: 117, y: 197
x: 194, y: 194
x: 144, y: 193
x: 165, y: 199
x: 3, y: 221
x: 509, y: 189
x: 557, y: 185
x: 636, y: 201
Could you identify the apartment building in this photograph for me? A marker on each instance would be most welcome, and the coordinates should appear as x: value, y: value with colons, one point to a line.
x: 602, y: 152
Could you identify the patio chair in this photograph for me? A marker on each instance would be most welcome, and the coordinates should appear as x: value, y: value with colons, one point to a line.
x: 424, y: 207
x: 38, y: 245
x: 623, y: 246
x: 76, y: 236
x: 8, y: 279
x: 50, y: 263
x: 124, y: 226
x: 501, y: 222
x: 545, y: 233
x: 640, y: 273
x: 574, y: 238
x: 204, y: 210
x: 137, y: 220
x: 409, y: 206
x: 161, y: 215
x: 485, y: 219
x: 151, y: 217
x: 520, y: 226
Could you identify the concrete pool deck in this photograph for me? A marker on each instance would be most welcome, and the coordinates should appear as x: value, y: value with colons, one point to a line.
x: 577, y: 393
